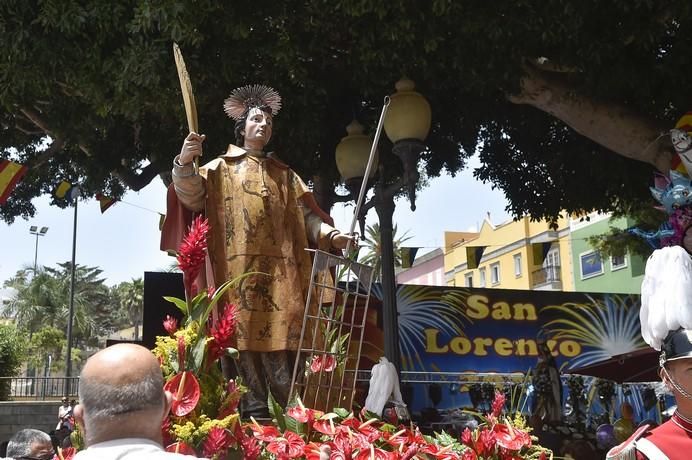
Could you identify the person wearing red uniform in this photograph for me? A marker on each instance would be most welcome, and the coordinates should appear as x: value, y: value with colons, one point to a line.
x: 666, y: 325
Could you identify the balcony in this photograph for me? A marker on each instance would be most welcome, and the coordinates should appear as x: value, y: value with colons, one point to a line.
x: 547, y: 279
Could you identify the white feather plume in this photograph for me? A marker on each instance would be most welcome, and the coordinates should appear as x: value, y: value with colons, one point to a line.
x: 384, y: 382
x: 666, y: 294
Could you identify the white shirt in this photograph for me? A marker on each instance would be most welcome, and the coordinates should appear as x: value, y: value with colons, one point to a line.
x: 128, y: 449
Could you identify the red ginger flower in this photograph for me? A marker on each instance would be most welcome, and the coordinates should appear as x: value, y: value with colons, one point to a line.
x: 217, y: 441
x: 170, y: 324
x: 192, y: 252
x: 498, y: 403
x: 224, y: 328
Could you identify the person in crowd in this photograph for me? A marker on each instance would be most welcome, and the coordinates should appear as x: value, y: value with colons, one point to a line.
x: 30, y: 444
x: 65, y: 419
x: 666, y: 325
x: 262, y: 218
x: 122, y: 405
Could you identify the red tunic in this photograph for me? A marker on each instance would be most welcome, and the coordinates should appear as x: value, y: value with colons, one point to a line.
x: 673, y: 438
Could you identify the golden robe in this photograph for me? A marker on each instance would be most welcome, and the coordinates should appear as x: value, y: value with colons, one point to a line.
x: 260, y: 223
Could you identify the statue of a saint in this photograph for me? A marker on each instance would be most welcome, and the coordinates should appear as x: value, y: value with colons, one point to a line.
x: 262, y: 218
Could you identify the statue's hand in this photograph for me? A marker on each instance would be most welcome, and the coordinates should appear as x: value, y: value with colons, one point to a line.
x: 192, y: 147
x: 340, y: 240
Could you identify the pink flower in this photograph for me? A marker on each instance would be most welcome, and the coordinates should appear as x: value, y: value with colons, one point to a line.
x: 192, y: 252
x: 170, y: 324
x: 467, y: 437
x: 326, y: 363
x: 511, y: 438
x: 303, y: 414
x: 469, y: 454
x: 498, y: 403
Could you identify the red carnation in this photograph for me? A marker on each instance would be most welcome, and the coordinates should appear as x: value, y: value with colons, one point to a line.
x: 170, y: 324
x: 217, y: 441
x: 192, y: 252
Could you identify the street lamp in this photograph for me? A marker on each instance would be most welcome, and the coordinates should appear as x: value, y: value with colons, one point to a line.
x: 406, y: 124
x: 35, y: 231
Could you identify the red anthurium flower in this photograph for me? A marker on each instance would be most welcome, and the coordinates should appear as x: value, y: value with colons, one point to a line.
x: 265, y: 433
x: 217, y: 441
x: 325, y: 427
x: 303, y: 414
x: 290, y: 445
x: 511, y: 438
x: 185, y: 390
x: 313, y: 450
x: 375, y: 453
x: 440, y: 453
x: 170, y: 324
x: 192, y: 252
x: 326, y: 363
x: 181, y: 448
x: 367, y: 429
x: 498, y: 403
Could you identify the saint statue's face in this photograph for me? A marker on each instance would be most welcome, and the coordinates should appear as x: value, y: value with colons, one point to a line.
x: 681, y: 140
x: 258, y: 129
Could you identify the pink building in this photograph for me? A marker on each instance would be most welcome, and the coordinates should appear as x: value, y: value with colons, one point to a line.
x: 427, y: 270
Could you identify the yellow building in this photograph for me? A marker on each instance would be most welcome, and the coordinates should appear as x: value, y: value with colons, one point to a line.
x: 515, y: 255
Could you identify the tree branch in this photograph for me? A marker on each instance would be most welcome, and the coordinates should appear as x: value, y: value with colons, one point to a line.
x: 55, y: 147
x: 36, y: 119
x: 614, y: 126
x: 137, y: 182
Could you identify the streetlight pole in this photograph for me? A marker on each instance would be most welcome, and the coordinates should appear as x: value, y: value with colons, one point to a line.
x: 407, y: 124
x: 74, y: 195
x: 35, y: 231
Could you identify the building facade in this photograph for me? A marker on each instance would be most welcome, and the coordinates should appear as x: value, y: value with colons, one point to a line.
x: 427, y: 270
x: 518, y: 254
x: 595, y: 273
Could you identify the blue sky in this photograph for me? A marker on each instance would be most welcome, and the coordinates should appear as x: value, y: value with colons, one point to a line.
x: 124, y: 241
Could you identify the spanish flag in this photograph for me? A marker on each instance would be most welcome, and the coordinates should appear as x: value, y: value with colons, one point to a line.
x: 10, y: 174
x: 105, y: 202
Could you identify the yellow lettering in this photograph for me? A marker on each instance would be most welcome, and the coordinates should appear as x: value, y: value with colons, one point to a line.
x: 431, y: 342
x: 477, y: 307
x: 503, y: 347
x: 460, y: 345
x: 526, y: 347
x: 479, y: 344
x: 525, y: 312
x: 501, y: 311
x: 569, y: 348
x: 552, y: 346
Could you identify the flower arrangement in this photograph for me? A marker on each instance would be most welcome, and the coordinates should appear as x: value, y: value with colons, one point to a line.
x: 204, y: 407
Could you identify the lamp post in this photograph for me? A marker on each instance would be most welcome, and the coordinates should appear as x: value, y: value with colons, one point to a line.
x: 35, y: 231
x: 407, y: 124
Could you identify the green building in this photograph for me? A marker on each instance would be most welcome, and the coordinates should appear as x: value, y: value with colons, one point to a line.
x: 593, y: 273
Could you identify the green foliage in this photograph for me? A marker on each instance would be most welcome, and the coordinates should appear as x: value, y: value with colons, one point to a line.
x: 129, y: 297
x: 12, y: 349
x: 97, y: 83
x: 47, y: 341
x: 373, y: 256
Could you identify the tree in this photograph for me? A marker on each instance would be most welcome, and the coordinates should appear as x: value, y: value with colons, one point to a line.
x: 130, y: 296
x: 12, y: 348
x: 374, y: 255
x: 556, y: 94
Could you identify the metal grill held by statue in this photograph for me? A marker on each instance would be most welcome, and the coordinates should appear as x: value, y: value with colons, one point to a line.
x: 331, y: 338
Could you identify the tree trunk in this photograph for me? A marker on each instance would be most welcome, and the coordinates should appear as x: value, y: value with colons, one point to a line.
x: 611, y: 125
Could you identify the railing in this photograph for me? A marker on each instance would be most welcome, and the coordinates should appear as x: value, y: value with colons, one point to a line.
x: 38, y: 388
x: 546, y: 275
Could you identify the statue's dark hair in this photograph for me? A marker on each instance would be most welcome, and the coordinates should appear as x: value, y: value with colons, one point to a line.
x: 240, y: 123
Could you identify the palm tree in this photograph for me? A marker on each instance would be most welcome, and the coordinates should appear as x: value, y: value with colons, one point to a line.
x: 374, y: 255
x: 132, y: 302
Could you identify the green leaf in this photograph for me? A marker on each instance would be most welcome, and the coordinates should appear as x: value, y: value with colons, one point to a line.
x: 180, y: 303
x: 294, y: 425
x: 232, y: 353
x: 277, y: 412
x: 198, y: 353
x: 341, y: 412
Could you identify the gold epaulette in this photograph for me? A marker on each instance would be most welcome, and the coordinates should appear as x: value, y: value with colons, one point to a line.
x: 628, y: 449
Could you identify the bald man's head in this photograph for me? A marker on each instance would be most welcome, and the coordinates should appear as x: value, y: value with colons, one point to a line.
x: 119, y: 382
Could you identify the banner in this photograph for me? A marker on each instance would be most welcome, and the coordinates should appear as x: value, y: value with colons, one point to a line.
x: 10, y: 174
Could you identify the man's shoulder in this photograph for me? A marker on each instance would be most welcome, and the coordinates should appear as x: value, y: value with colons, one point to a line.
x: 628, y: 449
x: 128, y: 449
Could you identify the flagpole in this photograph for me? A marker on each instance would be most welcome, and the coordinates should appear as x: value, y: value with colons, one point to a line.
x: 68, y: 360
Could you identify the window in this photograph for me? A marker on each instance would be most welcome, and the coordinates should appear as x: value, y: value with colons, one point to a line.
x: 468, y: 280
x: 591, y: 264
x: 495, y: 273
x: 517, y: 265
x: 481, y: 272
x: 618, y: 262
